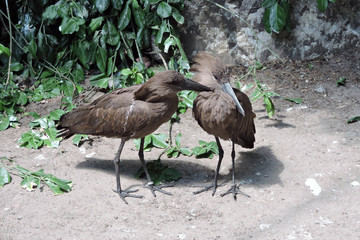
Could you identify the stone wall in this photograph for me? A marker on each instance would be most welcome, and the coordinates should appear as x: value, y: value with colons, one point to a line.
x: 314, y: 34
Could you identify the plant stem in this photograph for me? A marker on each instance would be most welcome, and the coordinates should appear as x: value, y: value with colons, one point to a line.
x: 10, y: 47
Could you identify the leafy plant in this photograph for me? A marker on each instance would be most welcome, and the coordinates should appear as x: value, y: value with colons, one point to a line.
x: 276, y: 15
x: 78, y: 138
x: 341, y: 81
x: 322, y: 4
x: 261, y: 90
x: 176, y: 150
x: 153, y: 140
x: 159, y: 172
x: 32, y: 180
x: 205, y: 150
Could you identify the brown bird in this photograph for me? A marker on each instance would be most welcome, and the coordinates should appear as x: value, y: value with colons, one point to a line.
x: 225, y: 112
x: 131, y: 112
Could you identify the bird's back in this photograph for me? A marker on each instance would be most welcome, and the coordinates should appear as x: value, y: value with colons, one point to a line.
x: 216, y: 113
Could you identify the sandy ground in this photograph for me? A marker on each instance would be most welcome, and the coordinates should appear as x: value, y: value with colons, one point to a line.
x: 302, y: 174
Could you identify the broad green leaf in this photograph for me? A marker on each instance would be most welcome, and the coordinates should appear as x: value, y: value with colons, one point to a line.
x: 50, y: 13
x: 32, y: 48
x: 56, y: 114
x: 164, y: 10
x: 4, y: 122
x: 4, y: 49
x: 63, y: 184
x: 270, y: 108
x: 67, y: 88
x: 78, y: 137
x: 117, y: 4
x: 71, y: 25
x: 78, y: 73
x: 154, y: 1
x: 126, y: 72
x: 16, y: 66
x: 95, y: 23
x: 103, y: 82
x: 54, y: 188
x: 30, y: 182
x: 159, y: 140
x: 101, y: 59
x: 295, y: 100
x: 169, y: 42
x: 124, y: 18
x: 112, y: 35
x: 160, y: 33
x: 277, y: 18
x: 4, y: 177
x: 185, y: 151
x: 268, y: 3
x: 102, y: 5
x: 322, y: 5
x: 138, y: 13
x: 177, y: 140
x: 177, y: 16
x: 353, y: 119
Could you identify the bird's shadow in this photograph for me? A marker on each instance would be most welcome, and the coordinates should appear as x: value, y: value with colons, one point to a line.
x: 258, y: 167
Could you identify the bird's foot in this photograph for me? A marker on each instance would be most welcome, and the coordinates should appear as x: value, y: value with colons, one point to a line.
x: 153, y: 188
x: 127, y: 193
x: 235, y: 189
x: 207, y: 188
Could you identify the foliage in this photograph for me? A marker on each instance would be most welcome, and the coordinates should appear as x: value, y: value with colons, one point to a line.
x: 295, y: 100
x: 261, y: 90
x: 176, y: 150
x: 353, y: 119
x: 32, y: 180
x: 187, y: 98
x: 153, y: 140
x: 322, y: 4
x: 159, y: 172
x: 205, y: 150
x: 341, y: 81
x: 78, y: 138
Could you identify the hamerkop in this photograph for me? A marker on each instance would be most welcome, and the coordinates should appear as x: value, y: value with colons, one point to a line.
x: 130, y: 113
x: 225, y: 112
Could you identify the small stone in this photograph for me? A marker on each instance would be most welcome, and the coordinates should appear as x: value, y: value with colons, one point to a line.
x: 355, y: 183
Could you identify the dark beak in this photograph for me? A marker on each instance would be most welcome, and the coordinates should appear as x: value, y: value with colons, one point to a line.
x: 228, y: 89
x: 191, y: 85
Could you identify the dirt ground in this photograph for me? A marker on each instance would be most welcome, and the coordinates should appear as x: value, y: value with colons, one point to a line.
x: 303, y: 174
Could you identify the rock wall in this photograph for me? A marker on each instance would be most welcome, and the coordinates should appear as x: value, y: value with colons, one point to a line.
x: 210, y: 28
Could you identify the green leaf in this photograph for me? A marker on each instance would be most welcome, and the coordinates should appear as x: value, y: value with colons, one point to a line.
x: 5, y: 50
x: 277, y: 18
x: 169, y: 42
x: 159, y: 140
x: 353, y: 119
x: 50, y: 13
x: 124, y: 18
x: 32, y: 48
x: 67, y: 88
x: 270, y: 108
x: 138, y: 13
x: 185, y: 151
x: 164, y: 10
x: 4, y: 177
x: 101, y: 59
x: 30, y: 182
x: 16, y: 66
x: 295, y: 100
x: 322, y: 5
x: 78, y: 73
x: 341, y: 81
x: 102, y: 5
x: 117, y: 4
x: 154, y: 1
x: 4, y: 122
x: 177, y: 140
x: 56, y: 114
x: 177, y: 16
x: 163, y: 28
x: 71, y: 25
x: 112, y: 35
x: 78, y: 137
x: 95, y: 23
x: 268, y: 3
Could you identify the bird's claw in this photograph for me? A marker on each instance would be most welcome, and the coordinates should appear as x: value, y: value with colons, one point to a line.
x: 153, y: 188
x: 207, y: 188
x: 235, y: 189
x: 127, y: 193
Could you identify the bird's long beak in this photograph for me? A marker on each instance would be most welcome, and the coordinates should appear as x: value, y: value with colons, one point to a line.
x: 191, y: 85
x: 228, y: 89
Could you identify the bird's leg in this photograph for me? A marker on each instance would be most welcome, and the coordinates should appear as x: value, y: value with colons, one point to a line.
x: 235, y: 189
x: 122, y: 193
x: 214, y: 185
x: 150, y: 183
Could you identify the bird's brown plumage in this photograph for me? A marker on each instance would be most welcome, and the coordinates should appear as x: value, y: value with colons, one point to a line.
x: 216, y: 112
x: 132, y: 112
